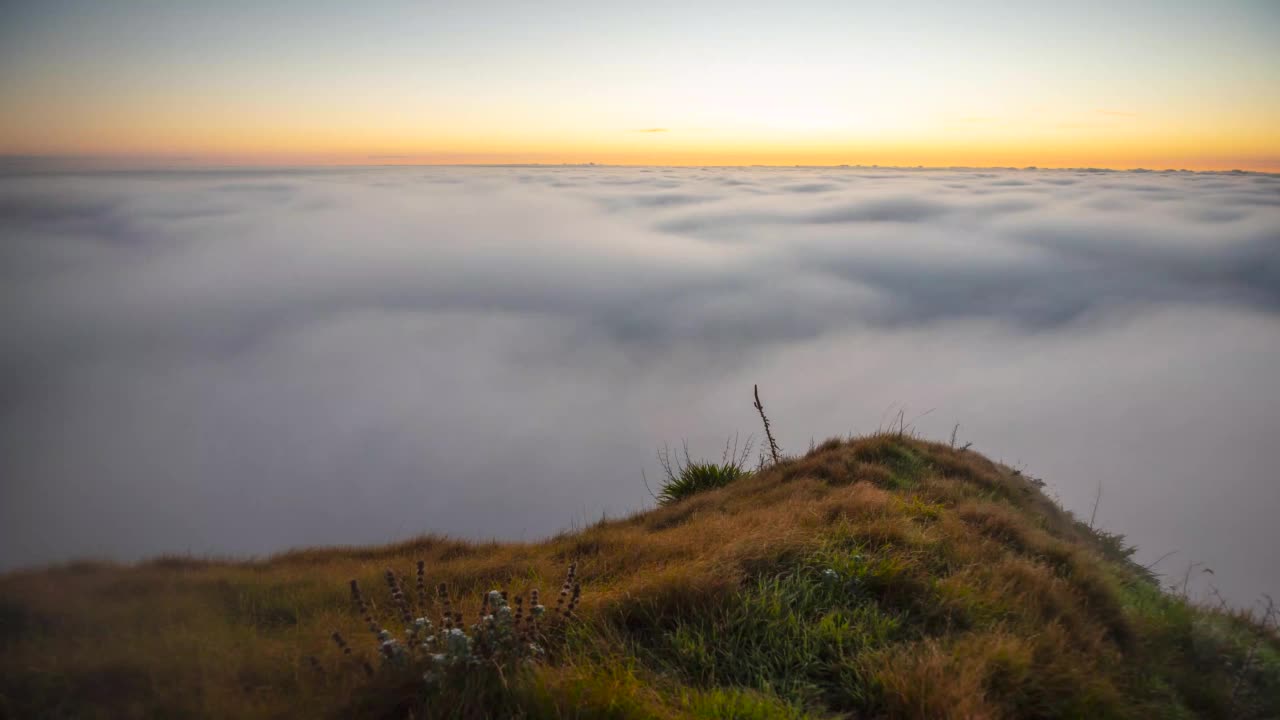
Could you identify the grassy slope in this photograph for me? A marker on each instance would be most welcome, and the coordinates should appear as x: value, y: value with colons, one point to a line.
x: 880, y: 577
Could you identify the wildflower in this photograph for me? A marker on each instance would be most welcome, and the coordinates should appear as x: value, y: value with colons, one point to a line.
x: 341, y: 642
x: 362, y: 607
x: 535, y: 610
x: 397, y: 597
x: 459, y: 645
x: 573, y: 602
x: 569, y: 584
x: 505, y: 633
x: 446, y: 618
x: 422, y: 586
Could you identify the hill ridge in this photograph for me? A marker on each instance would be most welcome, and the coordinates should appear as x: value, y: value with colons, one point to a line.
x: 883, y: 576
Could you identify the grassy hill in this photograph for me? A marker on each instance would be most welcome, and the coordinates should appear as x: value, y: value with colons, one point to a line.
x: 878, y: 577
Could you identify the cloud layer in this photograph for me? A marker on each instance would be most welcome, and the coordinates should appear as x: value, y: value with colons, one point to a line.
x: 241, y: 361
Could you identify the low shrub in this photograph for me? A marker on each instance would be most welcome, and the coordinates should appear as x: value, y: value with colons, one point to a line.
x: 440, y: 666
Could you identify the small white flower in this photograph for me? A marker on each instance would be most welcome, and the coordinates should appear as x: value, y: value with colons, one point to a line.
x: 459, y: 643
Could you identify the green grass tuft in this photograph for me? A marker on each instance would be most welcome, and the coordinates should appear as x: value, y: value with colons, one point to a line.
x: 696, y: 478
x: 686, y: 477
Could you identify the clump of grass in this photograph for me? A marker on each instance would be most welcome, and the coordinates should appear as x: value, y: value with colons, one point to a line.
x: 795, y: 635
x: 685, y: 477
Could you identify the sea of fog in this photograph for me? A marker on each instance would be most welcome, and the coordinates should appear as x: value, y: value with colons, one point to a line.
x: 239, y: 362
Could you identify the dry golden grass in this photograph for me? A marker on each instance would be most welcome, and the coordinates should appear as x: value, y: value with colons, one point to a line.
x: 959, y: 591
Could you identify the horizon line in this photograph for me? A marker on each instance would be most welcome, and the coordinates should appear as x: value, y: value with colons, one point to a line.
x: 10, y: 162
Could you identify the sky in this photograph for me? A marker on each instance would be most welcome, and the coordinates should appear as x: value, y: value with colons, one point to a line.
x: 1169, y: 84
x: 240, y: 361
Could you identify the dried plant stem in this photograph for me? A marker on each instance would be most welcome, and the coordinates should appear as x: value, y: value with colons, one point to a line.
x: 363, y: 607
x: 1097, y: 498
x: 446, y: 615
x: 768, y: 431
x: 422, y: 588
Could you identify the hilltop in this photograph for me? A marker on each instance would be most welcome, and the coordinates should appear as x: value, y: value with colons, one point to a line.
x: 883, y: 576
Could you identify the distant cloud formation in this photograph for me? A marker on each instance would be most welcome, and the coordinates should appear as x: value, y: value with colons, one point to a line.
x: 239, y: 361
x: 653, y: 130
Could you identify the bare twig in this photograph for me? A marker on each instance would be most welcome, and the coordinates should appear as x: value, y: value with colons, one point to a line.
x: 1186, y: 577
x: 1097, y: 498
x: 648, y: 489
x: 768, y: 431
x: 731, y: 456
x: 954, y: 430
x: 899, y: 425
x: 670, y: 468
x: 1223, y: 605
x: 1157, y: 561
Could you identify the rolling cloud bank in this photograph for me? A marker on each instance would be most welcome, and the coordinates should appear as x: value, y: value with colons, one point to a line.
x: 245, y: 361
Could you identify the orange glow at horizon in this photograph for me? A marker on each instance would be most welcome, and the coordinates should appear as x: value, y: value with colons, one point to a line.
x: 819, y: 83
x: 240, y: 135
x: 924, y: 155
